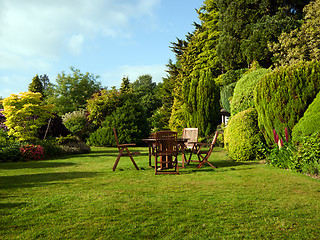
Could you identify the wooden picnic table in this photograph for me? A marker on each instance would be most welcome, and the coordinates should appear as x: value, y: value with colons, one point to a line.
x: 152, y: 146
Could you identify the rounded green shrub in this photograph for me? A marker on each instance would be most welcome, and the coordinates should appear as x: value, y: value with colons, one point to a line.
x: 102, y: 137
x: 242, y: 136
x: 243, y: 92
x: 309, y: 123
x: 282, y: 97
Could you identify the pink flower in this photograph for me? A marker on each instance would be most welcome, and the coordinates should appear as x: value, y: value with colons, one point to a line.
x: 286, y: 133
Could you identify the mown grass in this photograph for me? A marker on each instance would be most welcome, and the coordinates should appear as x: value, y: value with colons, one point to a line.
x: 80, y: 197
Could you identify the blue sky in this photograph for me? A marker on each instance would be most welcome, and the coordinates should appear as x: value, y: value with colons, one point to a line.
x: 109, y: 38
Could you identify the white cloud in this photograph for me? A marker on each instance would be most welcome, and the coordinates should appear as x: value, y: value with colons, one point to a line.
x: 75, y: 44
x: 37, y: 29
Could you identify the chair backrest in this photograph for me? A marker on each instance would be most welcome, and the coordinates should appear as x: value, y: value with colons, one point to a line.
x: 192, y: 135
x: 115, y: 135
x: 215, y: 137
x: 166, y: 143
x: 214, y: 140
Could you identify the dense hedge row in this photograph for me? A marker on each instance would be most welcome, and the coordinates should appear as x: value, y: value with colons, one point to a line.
x: 281, y: 98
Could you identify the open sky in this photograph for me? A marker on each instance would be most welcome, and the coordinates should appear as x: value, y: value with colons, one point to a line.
x: 109, y: 38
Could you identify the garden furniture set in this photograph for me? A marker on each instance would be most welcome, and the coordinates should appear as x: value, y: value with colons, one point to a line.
x: 165, y: 146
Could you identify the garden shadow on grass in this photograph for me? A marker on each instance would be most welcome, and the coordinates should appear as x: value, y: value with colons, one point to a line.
x: 41, y: 179
x: 34, y: 165
x: 12, y: 205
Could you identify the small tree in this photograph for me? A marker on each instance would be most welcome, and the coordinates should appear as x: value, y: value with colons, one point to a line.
x: 36, y: 85
x: 25, y: 114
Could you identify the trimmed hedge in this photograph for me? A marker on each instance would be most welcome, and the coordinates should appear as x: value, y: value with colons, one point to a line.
x: 309, y: 123
x: 282, y: 97
x: 242, y: 136
x: 228, y: 82
x: 243, y: 92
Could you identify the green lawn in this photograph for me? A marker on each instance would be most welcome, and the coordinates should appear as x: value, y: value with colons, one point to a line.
x: 80, y: 197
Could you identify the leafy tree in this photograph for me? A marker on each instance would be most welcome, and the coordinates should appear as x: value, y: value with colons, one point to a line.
x: 301, y: 44
x: 103, y: 104
x: 130, y: 120
x: 246, y: 27
x: 36, y: 85
x: 147, y: 93
x: 73, y: 90
x: 25, y: 114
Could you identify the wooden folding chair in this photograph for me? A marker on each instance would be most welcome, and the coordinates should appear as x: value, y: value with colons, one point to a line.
x: 203, y: 155
x: 166, y: 153
x: 192, y: 135
x: 121, y: 148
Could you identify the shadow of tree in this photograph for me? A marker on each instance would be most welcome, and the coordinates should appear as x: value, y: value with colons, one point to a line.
x: 12, y: 205
x: 41, y: 179
x: 35, y: 164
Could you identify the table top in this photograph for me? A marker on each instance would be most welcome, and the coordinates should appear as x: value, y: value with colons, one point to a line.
x: 179, y: 139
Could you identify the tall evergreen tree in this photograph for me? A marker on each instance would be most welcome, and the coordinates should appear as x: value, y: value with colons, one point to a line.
x: 196, y: 89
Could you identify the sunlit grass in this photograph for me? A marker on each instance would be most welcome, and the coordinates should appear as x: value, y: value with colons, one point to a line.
x: 80, y: 197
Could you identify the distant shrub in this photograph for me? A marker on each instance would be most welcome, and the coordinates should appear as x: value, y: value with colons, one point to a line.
x: 72, y: 145
x: 76, y: 122
x: 242, y: 136
x: 282, y: 97
x: 309, y: 123
x: 102, y: 137
x: 243, y: 92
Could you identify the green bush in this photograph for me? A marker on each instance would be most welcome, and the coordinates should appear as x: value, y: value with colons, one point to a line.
x: 11, y: 153
x: 102, y: 137
x: 309, y: 123
x: 242, y: 136
x: 309, y: 154
x: 243, y: 92
x: 76, y: 122
x: 282, y: 97
x: 130, y: 122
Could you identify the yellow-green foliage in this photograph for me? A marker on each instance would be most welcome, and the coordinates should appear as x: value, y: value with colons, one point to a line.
x: 25, y: 115
x: 242, y: 136
x: 309, y: 123
x: 243, y: 92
